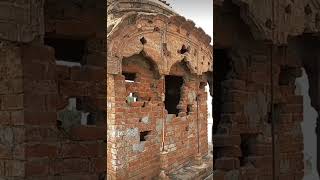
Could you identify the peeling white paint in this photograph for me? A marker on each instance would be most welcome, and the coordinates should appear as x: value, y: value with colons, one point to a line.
x: 308, y: 126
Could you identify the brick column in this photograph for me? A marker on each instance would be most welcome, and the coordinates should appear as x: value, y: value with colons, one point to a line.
x: 12, y: 132
x: 116, y: 147
x: 227, y: 141
x: 27, y: 112
x: 40, y: 94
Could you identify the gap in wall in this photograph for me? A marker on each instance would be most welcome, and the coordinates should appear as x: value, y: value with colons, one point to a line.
x: 67, y: 49
x: 173, y: 86
x: 222, y: 67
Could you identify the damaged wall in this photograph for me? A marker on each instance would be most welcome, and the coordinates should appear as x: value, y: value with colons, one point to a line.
x: 141, y: 158
x: 308, y: 127
x: 179, y: 54
x: 243, y: 141
x: 35, y: 90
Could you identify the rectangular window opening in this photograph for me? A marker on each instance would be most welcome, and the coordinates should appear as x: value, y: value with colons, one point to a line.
x: 173, y: 86
x: 132, y: 97
x: 130, y: 77
x: 66, y: 49
x: 144, y: 135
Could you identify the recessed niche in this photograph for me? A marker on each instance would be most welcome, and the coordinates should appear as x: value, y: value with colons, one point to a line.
x: 156, y: 29
x: 184, y: 49
x: 129, y: 77
x: 143, y: 41
x: 144, y: 135
x: 189, y: 109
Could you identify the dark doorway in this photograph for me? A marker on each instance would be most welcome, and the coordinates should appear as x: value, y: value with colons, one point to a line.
x: 173, y: 88
x: 222, y: 67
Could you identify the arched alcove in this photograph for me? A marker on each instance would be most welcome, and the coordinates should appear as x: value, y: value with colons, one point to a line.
x: 133, y: 63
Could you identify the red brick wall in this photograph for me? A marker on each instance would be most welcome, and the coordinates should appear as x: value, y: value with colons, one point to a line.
x: 32, y: 146
x: 243, y: 142
x: 46, y: 150
x: 125, y: 152
x: 51, y: 151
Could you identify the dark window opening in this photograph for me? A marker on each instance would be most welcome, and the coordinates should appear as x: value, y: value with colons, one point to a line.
x: 144, y: 135
x: 189, y: 109
x: 59, y: 124
x: 132, y: 97
x: 183, y: 49
x: 222, y: 67
x: 129, y: 77
x: 172, y: 95
x: 92, y: 114
x: 71, y: 50
x: 91, y: 119
x: 143, y: 40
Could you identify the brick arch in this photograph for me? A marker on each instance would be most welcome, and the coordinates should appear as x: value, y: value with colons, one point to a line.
x: 255, y: 25
x: 153, y: 64
x: 149, y: 6
x: 163, y: 38
x: 183, y: 65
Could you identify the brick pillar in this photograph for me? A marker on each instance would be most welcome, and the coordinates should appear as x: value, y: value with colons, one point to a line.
x: 12, y: 133
x: 40, y: 94
x: 116, y: 147
x: 27, y: 112
x: 227, y: 141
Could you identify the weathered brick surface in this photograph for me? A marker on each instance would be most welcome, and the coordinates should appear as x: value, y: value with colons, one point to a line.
x: 12, y: 18
x: 246, y: 92
x: 180, y: 137
x: 33, y: 89
x: 163, y: 49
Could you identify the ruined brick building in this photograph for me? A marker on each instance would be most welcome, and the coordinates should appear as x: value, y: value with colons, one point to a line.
x: 261, y: 124
x: 54, y: 98
x: 52, y: 90
x: 54, y: 101
x: 157, y: 68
